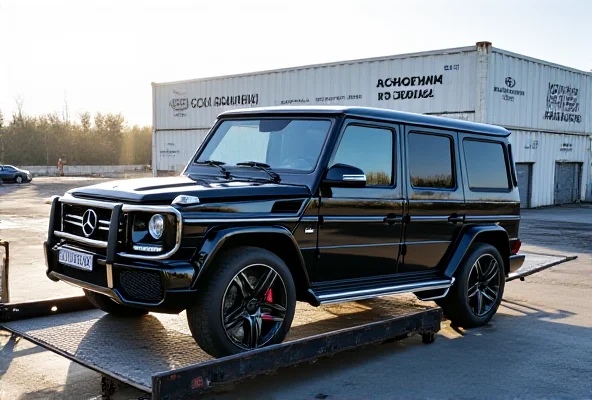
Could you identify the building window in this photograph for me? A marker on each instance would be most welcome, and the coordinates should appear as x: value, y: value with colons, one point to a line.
x: 430, y: 161
x: 371, y: 150
x: 486, y: 165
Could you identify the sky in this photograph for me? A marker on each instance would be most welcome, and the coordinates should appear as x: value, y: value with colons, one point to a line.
x: 101, y: 56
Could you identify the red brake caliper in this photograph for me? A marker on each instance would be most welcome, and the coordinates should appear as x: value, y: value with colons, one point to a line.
x: 268, y: 299
x: 269, y: 296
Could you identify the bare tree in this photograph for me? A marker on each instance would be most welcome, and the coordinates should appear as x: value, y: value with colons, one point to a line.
x: 65, y: 113
x: 20, y: 101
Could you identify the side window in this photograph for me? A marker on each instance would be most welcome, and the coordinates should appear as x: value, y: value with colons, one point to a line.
x: 371, y: 150
x: 486, y: 165
x: 430, y: 161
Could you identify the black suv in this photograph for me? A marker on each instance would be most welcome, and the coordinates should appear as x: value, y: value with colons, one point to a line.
x: 313, y: 204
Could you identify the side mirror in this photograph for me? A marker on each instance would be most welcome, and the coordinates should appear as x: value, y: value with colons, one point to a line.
x: 342, y: 175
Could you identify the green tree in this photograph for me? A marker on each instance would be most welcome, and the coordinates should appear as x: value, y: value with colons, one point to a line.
x: 103, y: 140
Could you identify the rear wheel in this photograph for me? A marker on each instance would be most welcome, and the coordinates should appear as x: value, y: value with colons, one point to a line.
x: 107, y: 305
x: 247, y: 301
x: 478, y: 289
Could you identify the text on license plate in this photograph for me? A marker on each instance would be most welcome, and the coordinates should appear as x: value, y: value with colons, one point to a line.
x: 76, y: 259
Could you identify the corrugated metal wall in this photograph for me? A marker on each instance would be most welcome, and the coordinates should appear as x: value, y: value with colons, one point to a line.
x: 423, y: 83
x: 466, y: 116
x: 537, y: 100
x: 544, y: 150
x: 175, y: 148
x: 527, y: 93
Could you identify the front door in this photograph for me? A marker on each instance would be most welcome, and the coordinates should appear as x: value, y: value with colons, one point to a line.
x: 361, y: 228
x: 436, y: 198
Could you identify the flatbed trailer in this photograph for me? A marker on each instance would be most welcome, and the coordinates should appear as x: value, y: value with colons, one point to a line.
x: 157, y: 355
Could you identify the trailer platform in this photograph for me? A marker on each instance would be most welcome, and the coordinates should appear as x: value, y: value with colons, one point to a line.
x: 156, y: 353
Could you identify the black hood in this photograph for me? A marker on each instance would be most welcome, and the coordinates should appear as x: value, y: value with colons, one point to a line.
x: 164, y: 190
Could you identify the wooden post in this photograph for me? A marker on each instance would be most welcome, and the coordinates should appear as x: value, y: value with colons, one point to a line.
x: 4, y: 291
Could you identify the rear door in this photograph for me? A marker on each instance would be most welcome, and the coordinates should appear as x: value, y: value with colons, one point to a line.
x: 436, y: 197
x: 491, y: 195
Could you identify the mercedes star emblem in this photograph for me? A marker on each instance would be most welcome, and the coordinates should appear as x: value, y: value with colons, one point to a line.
x: 89, y: 222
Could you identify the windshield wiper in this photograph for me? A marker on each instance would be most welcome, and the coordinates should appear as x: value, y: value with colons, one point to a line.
x: 217, y: 164
x: 275, y: 178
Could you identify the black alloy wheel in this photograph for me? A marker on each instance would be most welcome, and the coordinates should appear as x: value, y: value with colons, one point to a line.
x: 483, y: 290
x: 478, y: 288
x: 246, y: 299
x: 254, y: 306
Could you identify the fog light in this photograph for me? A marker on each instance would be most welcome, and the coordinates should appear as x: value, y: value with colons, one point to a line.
x: 156, y: 226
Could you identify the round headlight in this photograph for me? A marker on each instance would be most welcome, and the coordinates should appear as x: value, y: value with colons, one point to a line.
x: 156, y: 226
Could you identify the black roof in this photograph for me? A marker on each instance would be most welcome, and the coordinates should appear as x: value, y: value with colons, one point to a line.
x: 375, y: 113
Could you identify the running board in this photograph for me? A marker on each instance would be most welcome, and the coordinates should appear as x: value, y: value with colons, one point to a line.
x: 352, y: 295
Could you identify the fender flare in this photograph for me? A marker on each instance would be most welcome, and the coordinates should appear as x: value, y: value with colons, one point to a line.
x: 466, y: 240
x: 216, y: 240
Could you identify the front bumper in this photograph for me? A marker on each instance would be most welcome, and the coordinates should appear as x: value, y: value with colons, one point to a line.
x: 156, y: 286
x: 516, y: 261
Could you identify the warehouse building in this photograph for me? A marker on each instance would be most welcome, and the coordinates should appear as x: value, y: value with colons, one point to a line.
x: 546, y: 106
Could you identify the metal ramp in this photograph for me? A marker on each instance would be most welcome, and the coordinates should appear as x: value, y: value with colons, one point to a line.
x: 536, y: 262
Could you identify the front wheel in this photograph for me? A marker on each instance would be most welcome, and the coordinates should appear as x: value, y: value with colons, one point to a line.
x: 478, y: 289
x: 247, y: 301
x: 19, y: 179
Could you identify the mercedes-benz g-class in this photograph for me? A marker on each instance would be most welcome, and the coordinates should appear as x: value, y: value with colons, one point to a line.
x: 312, y: 204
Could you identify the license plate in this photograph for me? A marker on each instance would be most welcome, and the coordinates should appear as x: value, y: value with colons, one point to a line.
x: 76, y: 259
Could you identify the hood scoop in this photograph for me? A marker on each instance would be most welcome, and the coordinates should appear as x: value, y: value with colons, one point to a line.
x: 287, y: 206
x: 166, y: 186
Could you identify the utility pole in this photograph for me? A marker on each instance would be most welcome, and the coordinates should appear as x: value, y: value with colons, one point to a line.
x: 1, y: 137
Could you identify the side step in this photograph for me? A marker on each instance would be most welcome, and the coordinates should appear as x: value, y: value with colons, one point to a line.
x: 335, y: 294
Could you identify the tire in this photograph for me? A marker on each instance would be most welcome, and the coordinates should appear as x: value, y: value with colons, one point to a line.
x: 461, y: 306
x: 19, y: 179
x: 228, y: 317
x: 107, y: 305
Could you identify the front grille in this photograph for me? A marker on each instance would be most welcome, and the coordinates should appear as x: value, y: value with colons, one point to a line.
x: 72, y: 221
x: 140, y: 285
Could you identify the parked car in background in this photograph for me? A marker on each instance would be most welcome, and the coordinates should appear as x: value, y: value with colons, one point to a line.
x: 9, y: 173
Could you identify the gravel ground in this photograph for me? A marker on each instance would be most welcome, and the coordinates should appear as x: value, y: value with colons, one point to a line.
x: 538, y: 346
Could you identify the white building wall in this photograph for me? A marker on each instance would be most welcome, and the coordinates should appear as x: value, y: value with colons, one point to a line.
x: 527, y: 93
x: 544, y: 150
x: 541, y: 103
x: 432, y: 82
x: 174, y: 149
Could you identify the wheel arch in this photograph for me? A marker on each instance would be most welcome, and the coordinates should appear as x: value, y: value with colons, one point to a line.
x: 275, y: 239
x: 494, y: 235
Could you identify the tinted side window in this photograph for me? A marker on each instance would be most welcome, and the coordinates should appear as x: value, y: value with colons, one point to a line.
x: 486, y: 165
x: 371, y: 150
x: 430, y: 161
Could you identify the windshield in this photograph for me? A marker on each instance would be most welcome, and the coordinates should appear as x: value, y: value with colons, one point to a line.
x: 286, y: 144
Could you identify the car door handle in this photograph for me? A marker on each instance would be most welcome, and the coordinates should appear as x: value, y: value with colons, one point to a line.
x: 392, y: 219
x: 454, y: 218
